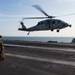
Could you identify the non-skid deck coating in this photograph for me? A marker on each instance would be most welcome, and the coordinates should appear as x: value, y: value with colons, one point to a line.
x: 42, y: 59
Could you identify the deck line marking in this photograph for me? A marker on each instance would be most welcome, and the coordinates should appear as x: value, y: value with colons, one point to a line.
x: 42, y: 59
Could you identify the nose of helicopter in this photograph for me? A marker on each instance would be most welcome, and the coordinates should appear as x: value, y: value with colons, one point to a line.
x: 69, y: 25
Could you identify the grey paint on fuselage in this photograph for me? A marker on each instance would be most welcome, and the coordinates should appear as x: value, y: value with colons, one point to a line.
x: 49, y: 24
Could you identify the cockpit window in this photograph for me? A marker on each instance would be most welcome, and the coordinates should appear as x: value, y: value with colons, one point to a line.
x: 59, y: 21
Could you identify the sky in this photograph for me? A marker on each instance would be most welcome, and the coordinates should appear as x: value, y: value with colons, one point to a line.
x: 12, y: 12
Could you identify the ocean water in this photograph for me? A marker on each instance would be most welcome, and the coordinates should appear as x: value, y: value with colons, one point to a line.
x: 43, y: 39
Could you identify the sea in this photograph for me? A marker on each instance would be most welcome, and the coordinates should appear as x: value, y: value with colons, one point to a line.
x: 42, y: 39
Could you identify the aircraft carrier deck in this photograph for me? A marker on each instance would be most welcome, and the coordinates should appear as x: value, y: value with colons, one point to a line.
x: 38, y: 58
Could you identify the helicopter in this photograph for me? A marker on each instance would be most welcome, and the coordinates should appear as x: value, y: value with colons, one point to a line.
x: 48, y: 24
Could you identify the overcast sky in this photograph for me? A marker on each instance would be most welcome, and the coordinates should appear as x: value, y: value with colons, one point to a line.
x: 12, y: 12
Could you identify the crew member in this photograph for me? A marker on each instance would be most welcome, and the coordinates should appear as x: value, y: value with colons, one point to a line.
x: 2, y: 54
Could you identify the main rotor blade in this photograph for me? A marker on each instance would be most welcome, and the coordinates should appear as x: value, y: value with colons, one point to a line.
x: 40, y: 9
x: 35, y: 17
x: 66, y: 15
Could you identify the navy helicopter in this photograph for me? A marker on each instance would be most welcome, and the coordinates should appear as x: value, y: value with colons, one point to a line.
x: 48, y: 24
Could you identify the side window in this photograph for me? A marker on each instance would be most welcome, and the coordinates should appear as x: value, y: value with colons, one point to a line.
x: 53, y: 22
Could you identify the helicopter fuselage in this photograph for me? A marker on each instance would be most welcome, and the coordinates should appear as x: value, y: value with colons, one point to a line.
x: 49, y: 24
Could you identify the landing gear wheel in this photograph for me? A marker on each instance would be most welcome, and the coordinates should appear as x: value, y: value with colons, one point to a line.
x: 28, y: 33
x: 57, y: 30
x: 51, y: 29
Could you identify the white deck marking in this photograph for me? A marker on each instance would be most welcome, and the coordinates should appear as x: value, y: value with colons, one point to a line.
x: 45, y: 48
x: 42, y: 59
